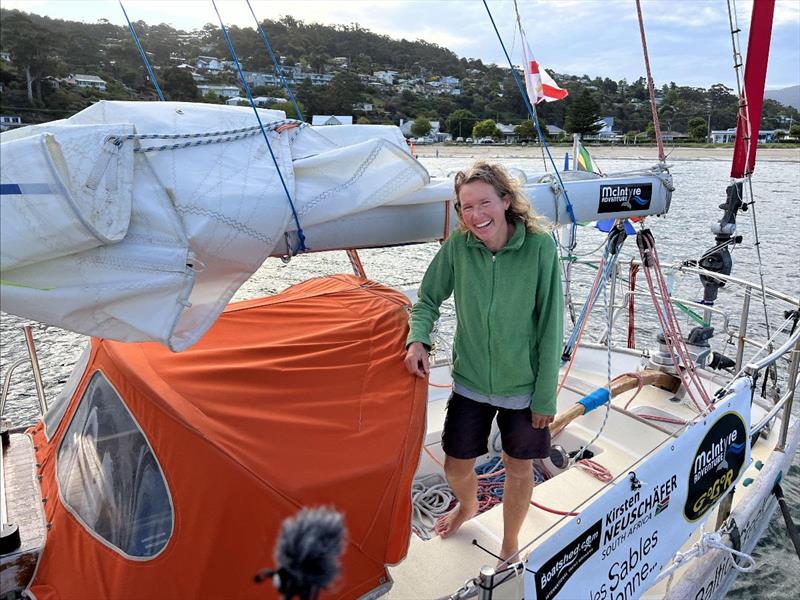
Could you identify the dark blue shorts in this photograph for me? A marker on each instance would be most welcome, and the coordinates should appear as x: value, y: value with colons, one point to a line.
x: 468, y: 424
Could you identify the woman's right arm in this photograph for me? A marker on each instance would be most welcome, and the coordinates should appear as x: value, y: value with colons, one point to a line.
x: 436, y: 287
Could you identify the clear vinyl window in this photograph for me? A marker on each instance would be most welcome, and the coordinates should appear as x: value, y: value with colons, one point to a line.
x: 109, y: 478
x: 56, y: 410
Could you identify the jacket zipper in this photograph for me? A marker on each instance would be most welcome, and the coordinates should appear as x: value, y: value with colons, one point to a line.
x: 488, y: 323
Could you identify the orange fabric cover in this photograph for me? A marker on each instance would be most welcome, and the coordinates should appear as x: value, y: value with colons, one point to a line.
x: 300, y: 399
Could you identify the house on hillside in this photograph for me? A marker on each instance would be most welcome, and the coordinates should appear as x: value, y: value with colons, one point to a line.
x: 86, y: 81
x: 209, y: 63
x: 331, y: 120
x: 223, y: 91
x: 256, y: 79
x: 386, y: 77
x: 260, y: 101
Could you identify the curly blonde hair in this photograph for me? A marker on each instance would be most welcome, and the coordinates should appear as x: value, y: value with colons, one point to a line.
x: 519, y: 211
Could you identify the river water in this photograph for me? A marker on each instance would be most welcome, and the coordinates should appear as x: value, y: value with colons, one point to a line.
x: 700, y: 188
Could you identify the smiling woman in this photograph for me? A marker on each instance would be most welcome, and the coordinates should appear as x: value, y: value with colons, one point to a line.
x: 503, y: 270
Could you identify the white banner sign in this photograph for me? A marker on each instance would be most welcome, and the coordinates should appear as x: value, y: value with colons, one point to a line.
x: 614, y: 549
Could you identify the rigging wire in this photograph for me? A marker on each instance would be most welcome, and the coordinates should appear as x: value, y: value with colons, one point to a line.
x: 276, y: 63
x: 653, y: 109
x: 744, y: 118
x: 532, y: 113
x: 142, y: 53
x: 300, y: 235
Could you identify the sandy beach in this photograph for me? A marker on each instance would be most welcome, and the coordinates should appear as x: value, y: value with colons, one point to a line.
x: 647, y: 153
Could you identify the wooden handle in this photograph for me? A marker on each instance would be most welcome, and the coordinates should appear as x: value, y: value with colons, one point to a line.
x: 623, y: 383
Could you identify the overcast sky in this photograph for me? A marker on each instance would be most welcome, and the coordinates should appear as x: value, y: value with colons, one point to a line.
x: 689, y: 40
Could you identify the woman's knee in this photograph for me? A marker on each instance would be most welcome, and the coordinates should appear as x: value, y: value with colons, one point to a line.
x: 459, y: 467
x: 518, y: 468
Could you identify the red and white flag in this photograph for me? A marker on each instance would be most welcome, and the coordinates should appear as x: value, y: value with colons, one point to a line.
x: 539, y: 84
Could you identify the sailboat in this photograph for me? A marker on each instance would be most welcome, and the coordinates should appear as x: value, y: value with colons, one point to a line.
x: 191, y: 428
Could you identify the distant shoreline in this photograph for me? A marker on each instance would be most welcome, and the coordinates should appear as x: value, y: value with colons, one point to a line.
x: 646, y: 153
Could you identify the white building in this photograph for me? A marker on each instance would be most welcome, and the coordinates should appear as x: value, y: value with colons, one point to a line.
x: 256, y: 79
x: 209, y: 63
x: 331, y: 120
x: 87, y: 81
x: 728, y: 136
x: 260, y: 101
x: 223, y: 91
x: 9, y: 122
x: 386, y: 77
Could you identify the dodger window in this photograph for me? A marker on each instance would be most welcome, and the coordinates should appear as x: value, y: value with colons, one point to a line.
x: 109, y: 478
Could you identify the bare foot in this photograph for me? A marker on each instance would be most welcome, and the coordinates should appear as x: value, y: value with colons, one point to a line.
x: 508, y: 556
x: 452, y: 521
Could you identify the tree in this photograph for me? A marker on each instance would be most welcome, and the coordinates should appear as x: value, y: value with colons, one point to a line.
x: 486, y: 128
x: 31, y: 49
x: 460, y: 122
x: 794, y: 130
x: 178, y: 85
x: 288, y: 108
x: 651, y: 131
x: 362, y: 121
x: 525, y: 131
x: 698, y: 130
x: 421, y: 127
x: 582, y: 115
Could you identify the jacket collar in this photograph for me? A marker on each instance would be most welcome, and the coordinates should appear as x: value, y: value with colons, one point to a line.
x: 514, y: 243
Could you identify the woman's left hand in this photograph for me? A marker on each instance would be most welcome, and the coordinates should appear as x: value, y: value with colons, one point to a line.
x: 540, y: 421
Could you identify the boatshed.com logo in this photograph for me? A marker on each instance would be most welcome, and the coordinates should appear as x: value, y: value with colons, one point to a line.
x: 625, y: 198
x: 553, y: 574
x: 716, y: 465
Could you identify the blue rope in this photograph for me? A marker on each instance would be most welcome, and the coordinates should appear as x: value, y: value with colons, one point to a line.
x: 141, y: 52
x: 535, y: 120
x: 301, y: 236
x: 276, y: 63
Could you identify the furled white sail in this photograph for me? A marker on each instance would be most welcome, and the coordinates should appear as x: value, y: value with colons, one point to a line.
x: 139, y: 221
x: 192, y: 205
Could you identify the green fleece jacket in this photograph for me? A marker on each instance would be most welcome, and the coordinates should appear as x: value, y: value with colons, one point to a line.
x: 509, y: 311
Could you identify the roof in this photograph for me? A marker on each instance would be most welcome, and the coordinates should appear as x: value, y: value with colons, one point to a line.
x: 332, y: 120
x: 94, y: 78
x: 299, y: 399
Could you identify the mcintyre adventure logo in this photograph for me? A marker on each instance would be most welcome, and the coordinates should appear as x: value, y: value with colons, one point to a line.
x: 716, y: 465
x: 553, y: 574
x: 625, y: 197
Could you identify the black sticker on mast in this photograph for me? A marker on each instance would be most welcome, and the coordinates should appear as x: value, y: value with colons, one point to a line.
x: 625, y: 197
x: 553, y: 574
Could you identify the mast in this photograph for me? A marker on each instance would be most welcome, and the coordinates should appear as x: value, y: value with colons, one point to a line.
x: 751, y: 99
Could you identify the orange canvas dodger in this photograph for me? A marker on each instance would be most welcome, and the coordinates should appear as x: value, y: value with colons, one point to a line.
x: 300, y: 399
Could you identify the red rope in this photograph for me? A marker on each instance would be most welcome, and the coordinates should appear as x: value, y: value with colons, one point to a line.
x: 669, y: 324
x: 631, y: 315
x: 653, y: 109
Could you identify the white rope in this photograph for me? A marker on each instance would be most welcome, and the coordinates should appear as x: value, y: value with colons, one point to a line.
x: 707, y: 542
x: 430, y: 499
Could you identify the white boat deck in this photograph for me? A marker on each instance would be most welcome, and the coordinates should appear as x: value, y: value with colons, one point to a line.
x: 438, y: 567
